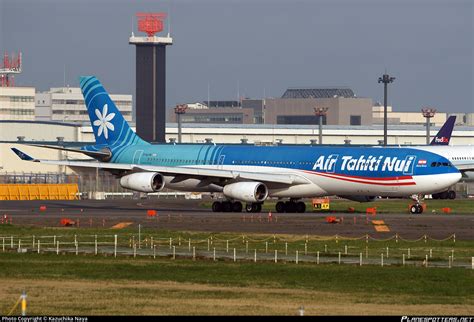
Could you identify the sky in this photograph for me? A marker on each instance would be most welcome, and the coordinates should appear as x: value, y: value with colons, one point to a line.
x: 255, y: 48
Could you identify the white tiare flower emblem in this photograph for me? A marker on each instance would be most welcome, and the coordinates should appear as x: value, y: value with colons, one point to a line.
x: 103, y: 121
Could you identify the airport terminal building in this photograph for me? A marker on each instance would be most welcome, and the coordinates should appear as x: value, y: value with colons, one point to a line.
x: 297, y: 106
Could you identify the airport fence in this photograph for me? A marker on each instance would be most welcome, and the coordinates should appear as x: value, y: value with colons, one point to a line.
x: 366, y: 250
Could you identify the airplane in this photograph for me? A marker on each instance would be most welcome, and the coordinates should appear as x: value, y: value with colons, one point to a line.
x: 251, y: 174
x: 461, y: 156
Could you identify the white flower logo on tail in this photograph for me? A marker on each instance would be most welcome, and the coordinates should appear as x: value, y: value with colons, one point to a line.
x: 103, y: 121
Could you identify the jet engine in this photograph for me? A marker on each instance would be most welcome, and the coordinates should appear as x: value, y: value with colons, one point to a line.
x: 143, y: 181
x: 360, y: 198
x: 246, y: 191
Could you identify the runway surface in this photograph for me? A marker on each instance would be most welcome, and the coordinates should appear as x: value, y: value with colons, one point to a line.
x: 186, y: 215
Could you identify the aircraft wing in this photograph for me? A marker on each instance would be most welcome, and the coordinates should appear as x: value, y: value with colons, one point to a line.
x: 465, y: 167
x: 287, y: 179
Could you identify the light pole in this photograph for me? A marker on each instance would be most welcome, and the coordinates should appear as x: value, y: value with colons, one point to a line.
x: 60, y: 141
x: 320, y: 112
x: 428, y: 113
x: 385, y: 79
x: 179, y: 110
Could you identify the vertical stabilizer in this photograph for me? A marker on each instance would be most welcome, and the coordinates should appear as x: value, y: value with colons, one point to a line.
x: 108, y: 124
x: 444, y: 134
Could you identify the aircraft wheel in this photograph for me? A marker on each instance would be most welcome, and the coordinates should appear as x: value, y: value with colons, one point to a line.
x: 413, y: 209
x: 237, y: 206
x: 443, y: 195
x: 248, y: 207
x: 290, y: 206
x: 216, y: 206
x: 256, y: 207
x: 226, y: 206
x: 452, y: 194
x: 420, y: 209
x: 280, y: 207
x: 300, y: 207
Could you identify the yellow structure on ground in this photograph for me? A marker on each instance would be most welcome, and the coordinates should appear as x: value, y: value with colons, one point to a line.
x: 66, y: 191
x: 321, y: 203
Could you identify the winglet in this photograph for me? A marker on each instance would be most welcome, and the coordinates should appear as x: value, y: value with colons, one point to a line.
x: 22, y: 155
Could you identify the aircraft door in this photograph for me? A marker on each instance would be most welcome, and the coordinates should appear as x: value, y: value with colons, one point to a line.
x: 220, y: 164
x: 137, y: 156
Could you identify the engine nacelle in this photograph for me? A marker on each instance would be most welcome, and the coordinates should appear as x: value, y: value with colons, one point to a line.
x: 360, y: 198
x: 246, y: 191
x: 143, y: 181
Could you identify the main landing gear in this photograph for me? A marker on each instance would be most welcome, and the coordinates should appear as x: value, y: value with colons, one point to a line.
x: 253, y: 207
x: 448, y: 194
x: 235, y: 206
x: 290, y: 206
x: 416, y: 208
x: 227, y: 206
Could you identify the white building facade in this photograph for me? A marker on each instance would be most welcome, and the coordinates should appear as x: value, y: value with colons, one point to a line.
x: 17, y: 103
x: 66, y: 104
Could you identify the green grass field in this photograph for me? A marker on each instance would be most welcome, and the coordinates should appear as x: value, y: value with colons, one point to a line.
x: 87, y: 284
x: 349, y: 287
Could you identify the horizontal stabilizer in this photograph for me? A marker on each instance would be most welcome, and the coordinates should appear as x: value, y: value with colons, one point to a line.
x: 97, y: 154
x: 22, y: 155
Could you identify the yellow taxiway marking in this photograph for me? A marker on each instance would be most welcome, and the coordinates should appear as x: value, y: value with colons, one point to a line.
x: 380, y: 226
x: 122, y: 225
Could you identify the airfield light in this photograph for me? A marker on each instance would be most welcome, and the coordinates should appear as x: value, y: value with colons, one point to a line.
x: 320, y: 112
x: 428, y: 113
x: 385, y: 79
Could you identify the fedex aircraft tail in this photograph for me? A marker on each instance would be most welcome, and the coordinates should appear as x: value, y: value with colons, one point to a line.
x: 108, y: 124
x: 444, y: 134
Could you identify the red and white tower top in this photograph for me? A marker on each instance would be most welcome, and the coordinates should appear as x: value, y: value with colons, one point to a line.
x: 9, y: 66
x: 151, y: 23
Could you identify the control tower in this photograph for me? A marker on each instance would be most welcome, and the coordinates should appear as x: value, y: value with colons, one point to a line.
x: 150, y: 98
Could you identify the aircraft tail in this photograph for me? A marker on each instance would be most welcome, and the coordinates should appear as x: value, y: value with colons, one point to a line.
x: 108, y: 124
x: 444, y: 134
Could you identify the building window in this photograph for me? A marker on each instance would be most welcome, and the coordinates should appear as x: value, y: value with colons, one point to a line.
x: 356, y: 120
x: 300, y: 119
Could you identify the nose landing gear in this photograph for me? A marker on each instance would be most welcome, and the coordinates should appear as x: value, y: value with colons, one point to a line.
x: 416, y: 208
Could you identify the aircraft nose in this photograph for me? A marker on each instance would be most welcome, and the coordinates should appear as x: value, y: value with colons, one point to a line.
x: 451, y: 178
x: 455, y: 177
x: 446, y: 180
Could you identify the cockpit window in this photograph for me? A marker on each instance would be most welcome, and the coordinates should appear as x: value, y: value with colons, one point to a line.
x: 441, y: 164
